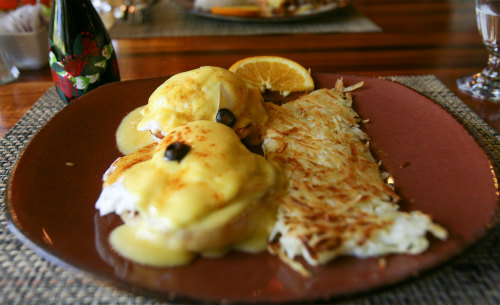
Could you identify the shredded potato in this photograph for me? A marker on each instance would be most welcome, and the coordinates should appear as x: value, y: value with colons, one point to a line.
x: 336, y: 201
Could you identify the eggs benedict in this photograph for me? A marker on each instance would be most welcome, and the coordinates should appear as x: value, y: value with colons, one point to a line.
x: 207, y: 93
x: 198, y: 191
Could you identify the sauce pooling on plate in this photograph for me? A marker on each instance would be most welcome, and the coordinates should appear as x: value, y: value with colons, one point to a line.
x: 147, y: 247
x: 128, y: 137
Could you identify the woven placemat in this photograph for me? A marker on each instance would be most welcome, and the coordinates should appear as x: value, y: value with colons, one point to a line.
x: 170, y: 20
x: 25, y: 278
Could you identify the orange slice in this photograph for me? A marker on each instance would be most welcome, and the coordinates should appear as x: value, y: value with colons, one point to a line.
x: 274, y: 73
x: 240, y: 11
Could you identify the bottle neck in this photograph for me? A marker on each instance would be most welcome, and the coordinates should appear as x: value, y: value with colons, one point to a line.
x: 70, y: 18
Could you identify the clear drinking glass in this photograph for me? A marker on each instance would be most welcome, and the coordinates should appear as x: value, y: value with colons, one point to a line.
x: 486, y: 84
x: 8, y: 72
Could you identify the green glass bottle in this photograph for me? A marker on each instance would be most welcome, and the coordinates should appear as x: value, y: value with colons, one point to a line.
x: 81, y: 54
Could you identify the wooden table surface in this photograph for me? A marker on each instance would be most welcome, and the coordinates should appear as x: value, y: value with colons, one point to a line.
x: 418, y: 37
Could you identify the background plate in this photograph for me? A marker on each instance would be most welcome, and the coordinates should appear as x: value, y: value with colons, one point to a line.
x: 189, y: 6
x: 438, y: 167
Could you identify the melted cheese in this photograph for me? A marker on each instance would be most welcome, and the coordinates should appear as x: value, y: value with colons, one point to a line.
x: 128, y: 137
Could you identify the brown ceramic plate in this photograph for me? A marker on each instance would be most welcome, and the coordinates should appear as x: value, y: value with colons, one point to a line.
x: 188, y: 5
x: 438, y: 167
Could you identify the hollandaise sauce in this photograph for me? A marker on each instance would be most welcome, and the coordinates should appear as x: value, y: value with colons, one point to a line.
x: 257, y: 241
x: 205, y: 198
x: 147, y: 247
x: 128, y: 137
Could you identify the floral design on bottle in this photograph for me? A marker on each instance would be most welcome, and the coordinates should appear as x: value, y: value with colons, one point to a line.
x: 88, y: 65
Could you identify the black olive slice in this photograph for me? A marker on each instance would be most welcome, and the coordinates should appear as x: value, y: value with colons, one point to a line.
x: 176, y: 151
x: 226, y: 117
